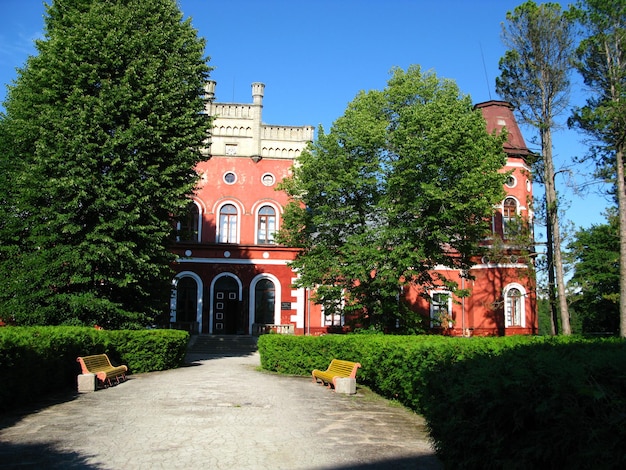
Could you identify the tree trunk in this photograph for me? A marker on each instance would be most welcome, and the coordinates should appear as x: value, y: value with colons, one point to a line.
x: 621, y: 201
x: 554, y: 320
x: 552, y: 214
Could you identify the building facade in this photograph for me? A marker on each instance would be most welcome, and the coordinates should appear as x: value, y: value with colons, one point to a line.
x: 231, y: 278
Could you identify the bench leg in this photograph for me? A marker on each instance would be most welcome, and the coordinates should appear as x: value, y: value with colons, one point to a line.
x: 345, y: 385
x: 86, y: 383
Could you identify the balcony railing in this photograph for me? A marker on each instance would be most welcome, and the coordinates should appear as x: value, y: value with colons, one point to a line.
x: 265, y: 328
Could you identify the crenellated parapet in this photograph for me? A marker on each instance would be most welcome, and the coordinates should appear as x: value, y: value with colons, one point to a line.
x: 238, y: 129
x: 291, y: 133
x: 233, y: 110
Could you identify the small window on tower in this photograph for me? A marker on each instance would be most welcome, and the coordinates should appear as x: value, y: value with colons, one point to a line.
x: 511, y: 181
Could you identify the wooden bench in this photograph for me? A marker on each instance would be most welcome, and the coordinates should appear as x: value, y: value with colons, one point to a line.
x: 336, y: 370
x: 101, y: 367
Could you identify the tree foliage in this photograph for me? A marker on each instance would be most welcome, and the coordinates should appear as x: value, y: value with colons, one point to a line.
x: 601, y: 60
x: 596, y: 277
x: 406, y: 180
x: 100, y: 137
x: 535, y: 79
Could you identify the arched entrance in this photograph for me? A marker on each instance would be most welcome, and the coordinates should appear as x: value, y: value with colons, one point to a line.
x: 264, y: 302
x: 264, y: 305
x: 228, y: 315
x: 186, y: 305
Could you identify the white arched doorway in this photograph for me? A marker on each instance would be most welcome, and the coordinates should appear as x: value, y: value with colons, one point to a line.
x: 186, y: 301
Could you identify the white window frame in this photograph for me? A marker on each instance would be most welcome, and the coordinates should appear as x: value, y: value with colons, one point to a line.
x: 237, y: 227
x: 433, y: 307
x: 507, y: 219
x: 508, y: 323
x: 256, y: 224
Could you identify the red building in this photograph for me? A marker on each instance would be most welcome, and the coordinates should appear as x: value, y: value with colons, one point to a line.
x: 233, y: 279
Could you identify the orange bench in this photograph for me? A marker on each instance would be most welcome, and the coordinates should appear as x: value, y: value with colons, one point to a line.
x: 101, y: 367
x: 337, y: 369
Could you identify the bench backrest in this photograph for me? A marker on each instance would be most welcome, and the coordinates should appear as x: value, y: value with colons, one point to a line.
x: 345, y: 368
x: 95, y: 363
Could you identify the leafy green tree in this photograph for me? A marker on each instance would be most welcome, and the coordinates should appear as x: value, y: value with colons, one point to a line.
x: 99, y: 141
x: 601, y: 60
x: 535, y: 79
x: 405, y: 180
x: 596, y: 277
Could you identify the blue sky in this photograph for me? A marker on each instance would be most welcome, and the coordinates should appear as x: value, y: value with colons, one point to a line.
x: 315, y: 56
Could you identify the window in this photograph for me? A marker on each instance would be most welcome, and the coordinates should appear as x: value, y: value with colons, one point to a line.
x: 441, y: 309
x: 266, y: 225
x: 333, y: 319
x: 514, y: 306
x: 509, y: 212
x: 511, y: 182
x: 228, y: 224
x: 230, y: 177
x: 188, y: 225
x: 268, y: 179
x: 264, y: 302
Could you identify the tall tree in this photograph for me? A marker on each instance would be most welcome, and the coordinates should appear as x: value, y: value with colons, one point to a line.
x: 404, y: 181
x: 100, y: 137
x: 601, y: 60
x: 534, y: 77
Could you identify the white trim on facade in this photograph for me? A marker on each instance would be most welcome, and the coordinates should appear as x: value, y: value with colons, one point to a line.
x: 260, y: 261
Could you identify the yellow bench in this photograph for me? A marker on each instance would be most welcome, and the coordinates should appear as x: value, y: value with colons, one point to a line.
x: 101, y: 367
x: 336, y: 370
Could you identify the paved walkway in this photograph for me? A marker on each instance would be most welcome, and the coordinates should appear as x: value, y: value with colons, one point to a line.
x: 216, y: 413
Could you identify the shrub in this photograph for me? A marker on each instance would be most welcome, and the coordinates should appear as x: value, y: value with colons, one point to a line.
x: 553, y: 404
x: 40, y: 360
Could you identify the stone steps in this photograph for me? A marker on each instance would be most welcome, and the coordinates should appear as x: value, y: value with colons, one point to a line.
x: 222, y: 344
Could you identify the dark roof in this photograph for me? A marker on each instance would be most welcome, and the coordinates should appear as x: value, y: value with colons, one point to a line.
x: 499, y: 114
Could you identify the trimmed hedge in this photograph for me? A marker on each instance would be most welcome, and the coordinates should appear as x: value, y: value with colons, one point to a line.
x: 512, y: 402
x: 557, y: 404
x: 40, y: 360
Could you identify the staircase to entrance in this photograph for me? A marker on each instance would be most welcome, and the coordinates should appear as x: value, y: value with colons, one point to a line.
x: 222, y: 345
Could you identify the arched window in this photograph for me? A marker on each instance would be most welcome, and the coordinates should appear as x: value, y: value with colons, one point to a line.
x: 228, y: 224
x: 266, y: 225
x: 514, y: 306
x: 188, y: 225
x: 264, y: 302
x: 186, y: 300
x: 509, y: 213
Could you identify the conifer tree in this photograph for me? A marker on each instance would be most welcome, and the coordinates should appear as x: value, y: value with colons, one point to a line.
x: 535, y: 79
x: 101, y: 134
x: 601, y: 60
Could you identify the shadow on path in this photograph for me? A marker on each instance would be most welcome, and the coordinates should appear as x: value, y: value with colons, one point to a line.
x: 40, y: 456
